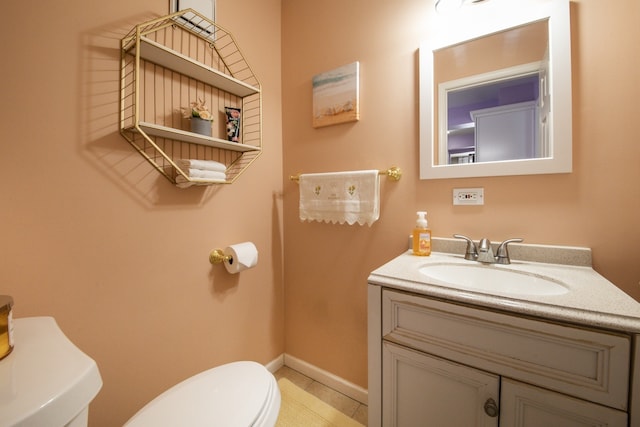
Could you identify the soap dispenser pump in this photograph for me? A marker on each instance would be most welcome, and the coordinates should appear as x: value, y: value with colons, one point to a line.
x: 422, y: 236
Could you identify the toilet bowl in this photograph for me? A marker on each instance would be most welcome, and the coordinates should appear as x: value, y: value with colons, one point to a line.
x: 238, y: 394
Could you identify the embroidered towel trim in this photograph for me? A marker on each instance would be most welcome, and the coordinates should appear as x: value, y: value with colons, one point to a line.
x: 339, y: 197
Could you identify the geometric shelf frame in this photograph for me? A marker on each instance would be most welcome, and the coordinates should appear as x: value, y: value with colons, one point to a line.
x: 167, y: 63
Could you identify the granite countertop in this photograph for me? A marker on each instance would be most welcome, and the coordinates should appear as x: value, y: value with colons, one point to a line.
x: 591, y: 300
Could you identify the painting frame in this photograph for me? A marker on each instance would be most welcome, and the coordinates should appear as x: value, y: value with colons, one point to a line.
x: 336, y: 96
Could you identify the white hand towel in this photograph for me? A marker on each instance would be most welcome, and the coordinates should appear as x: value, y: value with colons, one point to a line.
x: 208, y: 165
x: 340, y: 197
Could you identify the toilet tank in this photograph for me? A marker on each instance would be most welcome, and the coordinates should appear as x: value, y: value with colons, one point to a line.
x: 46, y: 380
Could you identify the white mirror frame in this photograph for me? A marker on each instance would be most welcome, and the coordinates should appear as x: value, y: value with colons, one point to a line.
x: 480, y: 20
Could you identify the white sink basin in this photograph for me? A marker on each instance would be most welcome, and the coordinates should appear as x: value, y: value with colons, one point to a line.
x: 492, y: 278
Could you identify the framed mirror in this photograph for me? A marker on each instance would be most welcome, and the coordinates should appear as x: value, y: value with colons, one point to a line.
x: 495, y: 91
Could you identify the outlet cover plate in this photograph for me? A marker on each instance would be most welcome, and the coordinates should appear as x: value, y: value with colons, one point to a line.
x: 468, y: 196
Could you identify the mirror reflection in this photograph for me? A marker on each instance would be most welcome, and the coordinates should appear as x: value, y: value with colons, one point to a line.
x: 491, y: 104
x: 495, y: 91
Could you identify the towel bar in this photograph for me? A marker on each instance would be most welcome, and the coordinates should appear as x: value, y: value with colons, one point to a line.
x: 394, y: 173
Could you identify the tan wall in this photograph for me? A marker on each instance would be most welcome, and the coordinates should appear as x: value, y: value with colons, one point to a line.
x: 327, y: 266
x: 95, y: 237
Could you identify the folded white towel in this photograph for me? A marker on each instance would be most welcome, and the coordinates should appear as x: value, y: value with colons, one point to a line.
x: 207, y: 165
x: 218, y: 178
x: 340, y: 197
x: 199, y: 173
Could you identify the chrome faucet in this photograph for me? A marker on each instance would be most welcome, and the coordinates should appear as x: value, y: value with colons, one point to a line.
x: 483, y: 252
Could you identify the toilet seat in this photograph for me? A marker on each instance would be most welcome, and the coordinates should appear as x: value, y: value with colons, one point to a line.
x: 236, y: 394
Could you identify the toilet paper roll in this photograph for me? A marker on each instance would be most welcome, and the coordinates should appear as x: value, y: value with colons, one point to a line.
x: 243, y: 256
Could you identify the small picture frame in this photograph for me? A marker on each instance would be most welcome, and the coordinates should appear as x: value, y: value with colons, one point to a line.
x: 233, y: 116
x: 205, y: 7
x: 336, y: 96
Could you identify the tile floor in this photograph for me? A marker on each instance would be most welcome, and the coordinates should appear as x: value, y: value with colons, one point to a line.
x: 339, y: 401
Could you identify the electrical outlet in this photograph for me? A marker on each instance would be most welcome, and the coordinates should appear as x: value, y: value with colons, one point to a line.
x: 468, y: 196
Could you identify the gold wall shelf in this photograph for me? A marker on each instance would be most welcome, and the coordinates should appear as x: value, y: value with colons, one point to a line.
x: 167, y: 63
x: 194, y: 138
x: 168, y: 58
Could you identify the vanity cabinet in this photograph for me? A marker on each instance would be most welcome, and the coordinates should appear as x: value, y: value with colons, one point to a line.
x: 168, y: 63
x: 440, y: 363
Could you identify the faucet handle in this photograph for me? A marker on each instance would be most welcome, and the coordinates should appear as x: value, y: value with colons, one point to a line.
x: 472, y: 250
x: 502, y: 255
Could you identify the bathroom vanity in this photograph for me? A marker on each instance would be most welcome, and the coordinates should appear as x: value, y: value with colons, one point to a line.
x: 544, y: 341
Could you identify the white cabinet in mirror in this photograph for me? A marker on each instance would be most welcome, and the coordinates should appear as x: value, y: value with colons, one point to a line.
x: 495, y: 91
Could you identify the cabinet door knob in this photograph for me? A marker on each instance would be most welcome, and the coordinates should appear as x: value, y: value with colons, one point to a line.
x: 491, y: 408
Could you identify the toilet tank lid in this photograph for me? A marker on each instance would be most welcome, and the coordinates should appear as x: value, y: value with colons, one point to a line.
x: 234, y: 394
x: 46, y: 380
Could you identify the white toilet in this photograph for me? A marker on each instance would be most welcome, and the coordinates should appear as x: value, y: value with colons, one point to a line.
x: 46, y: 380
x: 238, y: 394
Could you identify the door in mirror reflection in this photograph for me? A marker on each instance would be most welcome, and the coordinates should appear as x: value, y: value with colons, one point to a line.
x: 494, y: 121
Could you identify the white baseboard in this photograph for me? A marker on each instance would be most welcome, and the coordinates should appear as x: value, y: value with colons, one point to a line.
x: 327, y: 378
x: 275, y: 364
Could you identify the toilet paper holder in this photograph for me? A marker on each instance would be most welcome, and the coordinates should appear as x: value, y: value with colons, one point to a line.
x: 236, y: 258
x: 217, y: 256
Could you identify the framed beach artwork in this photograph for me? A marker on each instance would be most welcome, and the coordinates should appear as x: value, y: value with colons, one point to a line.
x: 336, y: 96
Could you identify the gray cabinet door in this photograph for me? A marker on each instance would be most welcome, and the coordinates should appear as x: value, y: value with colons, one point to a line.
x: 423, y: 390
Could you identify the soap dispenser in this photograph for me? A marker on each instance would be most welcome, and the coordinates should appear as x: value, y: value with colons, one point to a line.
x: 421, y: 236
